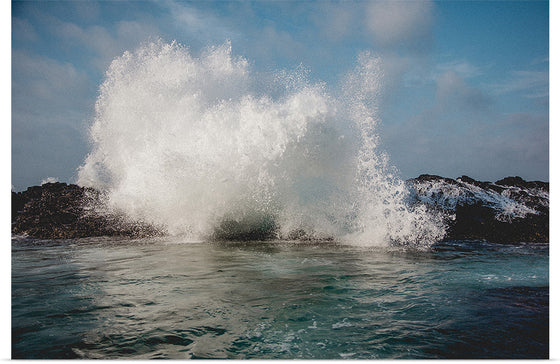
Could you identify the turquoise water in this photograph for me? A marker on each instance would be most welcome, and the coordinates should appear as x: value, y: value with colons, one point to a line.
x: 167, y: 298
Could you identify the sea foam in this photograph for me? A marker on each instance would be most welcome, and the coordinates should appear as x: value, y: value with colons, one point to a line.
x: 205, y: 146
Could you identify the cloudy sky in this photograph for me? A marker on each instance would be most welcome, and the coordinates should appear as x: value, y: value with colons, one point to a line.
x: 465, y: 86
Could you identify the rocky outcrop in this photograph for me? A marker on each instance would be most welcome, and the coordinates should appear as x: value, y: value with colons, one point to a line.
x: 61, y: 211
x: 506, y: 211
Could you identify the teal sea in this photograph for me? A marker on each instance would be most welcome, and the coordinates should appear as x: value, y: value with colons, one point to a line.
x: 169, y: 298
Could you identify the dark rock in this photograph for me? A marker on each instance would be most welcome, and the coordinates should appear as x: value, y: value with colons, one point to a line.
x: 61, y: 211
x: 432, y: 177
x: 483, y: 185
x: 507, y: 211
x: 521, y: 183
x: 467, y: 179
x: 479, y: 222
x: 249, y: 228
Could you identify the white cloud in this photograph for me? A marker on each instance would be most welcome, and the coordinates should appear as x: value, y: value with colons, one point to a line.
x: 402, y: 35
x: 50, y: 104
x: 106, y: 43
x: 520, y: 141
x: 336, y: 21
x: 201, y: 26
x: 272, y: 45
x: 401, y: 23
x: 540, y: 60
x: 43, y: 82
x: 452, y: 90
x: 22, y: 30
x: 533, y: 84
x: 87, y: 10
x: 463, y: 132
x: 460, y: 67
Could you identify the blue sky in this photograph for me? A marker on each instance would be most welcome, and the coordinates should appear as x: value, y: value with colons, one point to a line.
x: 465, y: 91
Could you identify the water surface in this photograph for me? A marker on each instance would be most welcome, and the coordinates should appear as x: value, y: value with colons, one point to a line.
x: 169, y: 298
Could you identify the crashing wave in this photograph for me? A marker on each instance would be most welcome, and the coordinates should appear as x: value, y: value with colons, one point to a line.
x: 207, y: 147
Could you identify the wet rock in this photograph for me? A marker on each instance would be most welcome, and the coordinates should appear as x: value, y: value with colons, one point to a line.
x: 61, y: 211
x: 507, y: 211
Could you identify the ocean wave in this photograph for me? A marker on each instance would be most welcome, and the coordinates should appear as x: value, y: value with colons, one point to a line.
x: 207, y: 147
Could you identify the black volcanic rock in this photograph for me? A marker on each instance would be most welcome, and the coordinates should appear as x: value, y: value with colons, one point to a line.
x: 507, y: 211
x: 432, y: 177
x: 521, y: 183
x: 61, y: 211
x: 479, y: 222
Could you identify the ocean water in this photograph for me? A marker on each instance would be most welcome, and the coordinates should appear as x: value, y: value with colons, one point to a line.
x: 173, y: 298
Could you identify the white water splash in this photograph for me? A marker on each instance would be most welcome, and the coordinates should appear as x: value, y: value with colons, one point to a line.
x: 49, y: 180
x: 508, y: 206
x: 205, y: 146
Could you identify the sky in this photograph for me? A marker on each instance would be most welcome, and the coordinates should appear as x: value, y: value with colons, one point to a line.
x: 465, y: 83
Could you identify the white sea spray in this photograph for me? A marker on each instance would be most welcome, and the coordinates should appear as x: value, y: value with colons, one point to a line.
x: 49, y: 180
x: 203, y: 144
x: 502, y: 199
